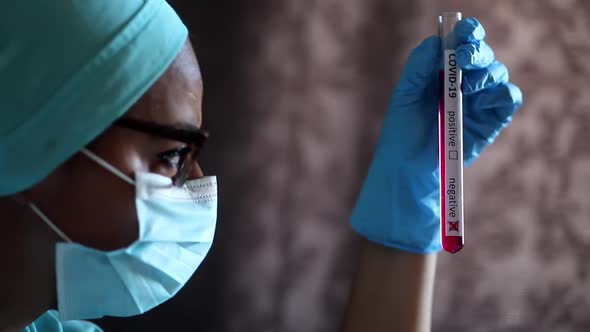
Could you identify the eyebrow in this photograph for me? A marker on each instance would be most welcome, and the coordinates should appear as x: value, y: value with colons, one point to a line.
x: 186, y: 126
x: 179, y: 131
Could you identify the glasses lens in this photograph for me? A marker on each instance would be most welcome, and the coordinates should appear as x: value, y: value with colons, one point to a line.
x: 187, y: 166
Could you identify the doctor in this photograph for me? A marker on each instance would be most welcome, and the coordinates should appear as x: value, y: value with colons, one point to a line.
x: 104, y: 208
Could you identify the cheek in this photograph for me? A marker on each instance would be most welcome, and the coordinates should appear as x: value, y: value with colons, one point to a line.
x: 94, y: 207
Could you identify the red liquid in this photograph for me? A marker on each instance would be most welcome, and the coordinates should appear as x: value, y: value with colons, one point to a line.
x: 450, y: 244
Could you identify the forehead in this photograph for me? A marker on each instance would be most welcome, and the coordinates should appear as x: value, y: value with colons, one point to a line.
x: 177, y: 95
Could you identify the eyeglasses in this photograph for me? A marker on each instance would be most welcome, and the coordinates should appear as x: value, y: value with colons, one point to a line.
x: 194, y: 137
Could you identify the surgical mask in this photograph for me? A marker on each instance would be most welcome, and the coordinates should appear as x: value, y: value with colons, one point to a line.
x: 176, y: 229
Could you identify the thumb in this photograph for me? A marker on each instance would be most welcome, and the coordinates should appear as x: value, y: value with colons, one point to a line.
x: 421, y: 66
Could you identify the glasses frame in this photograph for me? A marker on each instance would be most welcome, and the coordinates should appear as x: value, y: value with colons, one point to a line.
x: 194, y: 137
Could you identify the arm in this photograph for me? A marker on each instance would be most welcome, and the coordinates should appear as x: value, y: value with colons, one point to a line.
x: 398, y: 208
x: 391, y: 291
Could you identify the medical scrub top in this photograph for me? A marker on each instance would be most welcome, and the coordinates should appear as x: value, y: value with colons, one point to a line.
x: 49, y: 322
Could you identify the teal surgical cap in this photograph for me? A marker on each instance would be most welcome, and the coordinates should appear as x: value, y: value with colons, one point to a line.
x: 68, y: 69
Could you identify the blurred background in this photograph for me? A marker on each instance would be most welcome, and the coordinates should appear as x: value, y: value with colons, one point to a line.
x: 295, y: 91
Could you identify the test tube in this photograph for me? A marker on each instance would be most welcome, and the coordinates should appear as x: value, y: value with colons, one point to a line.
x: 450, y: 138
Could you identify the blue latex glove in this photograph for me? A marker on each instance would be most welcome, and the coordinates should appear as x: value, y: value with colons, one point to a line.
x: 399, y: 203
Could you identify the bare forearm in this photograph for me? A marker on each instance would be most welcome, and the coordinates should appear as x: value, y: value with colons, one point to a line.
x: 391, y: 291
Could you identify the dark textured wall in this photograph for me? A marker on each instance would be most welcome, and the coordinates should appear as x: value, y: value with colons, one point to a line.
x: 294, y: 95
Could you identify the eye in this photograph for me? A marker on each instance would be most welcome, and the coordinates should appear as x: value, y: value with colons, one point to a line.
x: 173, y: 158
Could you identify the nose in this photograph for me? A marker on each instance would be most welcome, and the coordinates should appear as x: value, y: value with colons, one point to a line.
x: 196, y: 173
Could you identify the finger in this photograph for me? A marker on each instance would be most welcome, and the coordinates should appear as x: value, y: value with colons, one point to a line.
x: 494, y: 106
x: 474, y: 55
x: 480, y: 132
x: 421, y: 64
x: 488, y: 77
x: 474, y: 144
x: 469, y: 30
x: 489, y: 113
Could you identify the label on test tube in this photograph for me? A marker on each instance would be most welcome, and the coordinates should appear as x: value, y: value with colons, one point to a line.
x: 454, y: 145
x: 451, y: 154
x: 450, y: 118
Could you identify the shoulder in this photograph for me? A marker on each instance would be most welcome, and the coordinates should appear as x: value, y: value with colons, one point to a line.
x: 49, y: 322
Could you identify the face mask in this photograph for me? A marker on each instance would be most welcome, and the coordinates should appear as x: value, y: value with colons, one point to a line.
x: 176, y: 228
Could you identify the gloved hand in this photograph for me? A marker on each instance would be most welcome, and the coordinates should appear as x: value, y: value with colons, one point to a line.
x: 399, y: 202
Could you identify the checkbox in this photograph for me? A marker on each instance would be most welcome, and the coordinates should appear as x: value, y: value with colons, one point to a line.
x: 453, y: 155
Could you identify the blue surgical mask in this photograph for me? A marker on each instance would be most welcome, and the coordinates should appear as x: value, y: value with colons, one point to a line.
x: 176, y: 229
